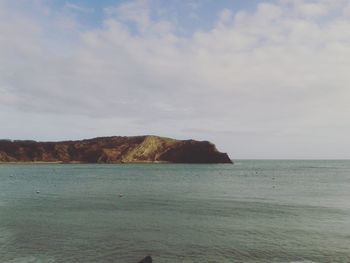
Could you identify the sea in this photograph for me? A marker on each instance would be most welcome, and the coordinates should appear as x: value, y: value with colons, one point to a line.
x: 285, y: 211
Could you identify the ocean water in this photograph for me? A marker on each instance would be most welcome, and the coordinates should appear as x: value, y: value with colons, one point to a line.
x: 252, y: 211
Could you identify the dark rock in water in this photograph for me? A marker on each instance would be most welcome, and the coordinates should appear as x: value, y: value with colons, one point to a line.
x: 137, y: 149
x: 147, y: 259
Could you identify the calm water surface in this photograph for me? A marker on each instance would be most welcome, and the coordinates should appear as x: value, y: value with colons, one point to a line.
x: 253, y: 211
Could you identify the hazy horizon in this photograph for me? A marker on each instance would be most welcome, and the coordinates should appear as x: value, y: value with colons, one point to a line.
x: 260, y: 79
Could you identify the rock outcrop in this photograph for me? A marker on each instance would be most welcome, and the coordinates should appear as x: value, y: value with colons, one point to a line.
x: 147, y: 259
x: 116, y: 149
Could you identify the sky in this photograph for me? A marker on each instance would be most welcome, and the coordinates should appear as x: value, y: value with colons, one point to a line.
x: 260, y: 79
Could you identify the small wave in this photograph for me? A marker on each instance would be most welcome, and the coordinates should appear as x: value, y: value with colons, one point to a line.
x: 303, y: 261
x: 30, y: 259
x: 5, y: 236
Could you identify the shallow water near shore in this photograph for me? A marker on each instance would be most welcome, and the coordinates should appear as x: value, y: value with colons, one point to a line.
x: 253, y: 211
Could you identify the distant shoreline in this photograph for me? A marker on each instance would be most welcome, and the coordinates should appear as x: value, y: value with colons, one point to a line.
x: 78, y: 162
x: 139, y: 162
x: 112, y: 150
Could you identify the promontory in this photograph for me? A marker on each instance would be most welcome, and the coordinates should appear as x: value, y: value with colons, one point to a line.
x: 115, y: 149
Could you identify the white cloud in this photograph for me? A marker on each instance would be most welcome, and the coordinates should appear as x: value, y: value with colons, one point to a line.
x: 271, y: 77
x: 78, y: 8
x: 313, y: 9
x: 133, y: 11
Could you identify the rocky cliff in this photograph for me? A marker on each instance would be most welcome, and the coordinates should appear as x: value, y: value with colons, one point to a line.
x: 137, y: 149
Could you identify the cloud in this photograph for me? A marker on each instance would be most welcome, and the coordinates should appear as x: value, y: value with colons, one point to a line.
x: 78, y: 8
x: 137, y: 12
x: 279, y: 73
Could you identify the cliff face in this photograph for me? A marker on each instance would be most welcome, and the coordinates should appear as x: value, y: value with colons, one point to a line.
x: 113, y: 150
